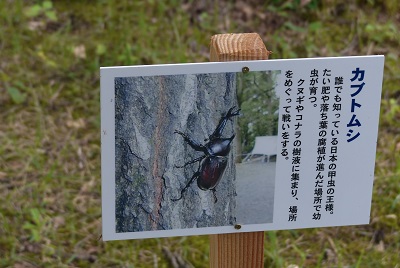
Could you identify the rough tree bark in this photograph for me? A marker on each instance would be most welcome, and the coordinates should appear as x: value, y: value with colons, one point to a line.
x: 147, y: 112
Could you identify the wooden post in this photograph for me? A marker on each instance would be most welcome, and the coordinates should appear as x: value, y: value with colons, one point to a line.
x: 241, y: 249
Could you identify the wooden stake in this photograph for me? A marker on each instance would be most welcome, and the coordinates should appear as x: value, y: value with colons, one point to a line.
x: 239, y: 250
x: 236, y: 47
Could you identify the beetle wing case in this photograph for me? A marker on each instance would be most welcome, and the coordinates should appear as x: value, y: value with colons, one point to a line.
x: 212, y: 169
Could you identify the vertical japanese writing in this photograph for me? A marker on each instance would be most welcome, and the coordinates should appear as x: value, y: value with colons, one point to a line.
x: 322, y: 121
x: 286, y: 116
x: 321, y: 143
x: 296, y: 152
x: 356, y: 88
x: 311, y: 132
x: 286, y: 123
x: 327, y: 145
x: 334, y: 141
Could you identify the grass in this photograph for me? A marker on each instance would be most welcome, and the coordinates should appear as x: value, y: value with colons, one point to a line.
x: 50, y: 126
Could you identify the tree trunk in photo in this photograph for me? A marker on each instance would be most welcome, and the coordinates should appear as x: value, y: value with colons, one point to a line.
x: 148, y: 110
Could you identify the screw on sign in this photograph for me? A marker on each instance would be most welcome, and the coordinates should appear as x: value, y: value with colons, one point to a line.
x: 214, y: 160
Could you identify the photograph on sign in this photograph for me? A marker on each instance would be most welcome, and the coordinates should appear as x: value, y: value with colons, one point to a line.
x: 188, y: 149
x: 182, y: 132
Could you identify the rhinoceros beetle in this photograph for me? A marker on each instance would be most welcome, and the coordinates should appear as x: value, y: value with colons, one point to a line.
x: 214, y: 160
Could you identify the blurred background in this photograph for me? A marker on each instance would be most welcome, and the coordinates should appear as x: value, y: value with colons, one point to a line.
x: 50, y: 55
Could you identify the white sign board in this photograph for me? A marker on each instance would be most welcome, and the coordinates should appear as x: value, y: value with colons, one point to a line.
x: 184, y: 146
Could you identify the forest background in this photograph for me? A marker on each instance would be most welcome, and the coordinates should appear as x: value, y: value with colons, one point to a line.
x: 51, y: 52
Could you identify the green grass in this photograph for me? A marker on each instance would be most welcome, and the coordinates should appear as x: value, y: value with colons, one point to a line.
x: 50, y: 55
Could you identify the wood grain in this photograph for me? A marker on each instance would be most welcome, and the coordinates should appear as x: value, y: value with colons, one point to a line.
x: 237, y: 250
x: 237, y: 47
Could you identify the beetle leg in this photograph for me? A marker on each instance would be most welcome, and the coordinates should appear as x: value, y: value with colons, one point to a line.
x: 222, y: 123
x: 192, y: 161
x: 194, y: 144
x: 230, y: 114
x: 215, y: 195
x: 195, y: 176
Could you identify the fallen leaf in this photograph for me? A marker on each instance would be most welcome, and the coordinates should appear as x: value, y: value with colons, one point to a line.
x: 23, y: 265
x: 35, y: 25
x: 79, y: 123
x: 304, y: 2
x: 2, y: 175
x: 80, y: 52
x: 380, y: 247
x: 398, y: 146
x: 58, y: 221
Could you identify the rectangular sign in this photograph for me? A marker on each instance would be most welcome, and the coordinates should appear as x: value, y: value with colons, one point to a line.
x: 191, y: 149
